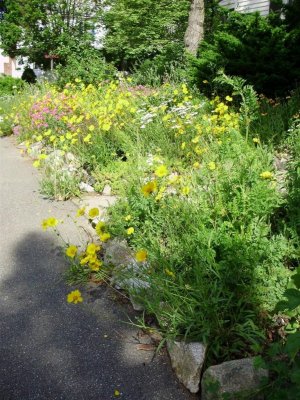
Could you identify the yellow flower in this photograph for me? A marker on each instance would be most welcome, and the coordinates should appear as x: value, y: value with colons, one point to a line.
x: 71, y: 251
x: 80, y: 212
x: 170, y: 273
x: 87, y: 138
x: 149, y: 188
x: 196, y: 165
x: 128, y: 217
x: 91, y: 128
x: 95, y: 264
x: 256, y: 140
x: 161, y: 171
x: 130, y: 231
x: 117, y: 393
x: 52, y: 222
x: 228, y: 98
x: 205, y: 81
x: 91, y: 249
x: 141, y: 255
x: 74, y: 297
x: 185, y: 191
x: 196, y: 139
x: 99, y: 227
x: 266, y: 175
x: 94, y: 212
x: 104, y: 237
x: 44, y: 224
x: 36, y: 163
x: 212, y: 165
x: 183, y: 145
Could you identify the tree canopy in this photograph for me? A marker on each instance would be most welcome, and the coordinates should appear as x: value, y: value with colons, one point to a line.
x: 38, y: 27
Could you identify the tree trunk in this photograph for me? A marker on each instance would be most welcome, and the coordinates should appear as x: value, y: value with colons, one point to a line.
x: 195, y: 30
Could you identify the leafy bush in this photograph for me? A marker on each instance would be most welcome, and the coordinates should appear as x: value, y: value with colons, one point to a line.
x: 262, y: 50
x: 88, y: 67
x: 9, y: 85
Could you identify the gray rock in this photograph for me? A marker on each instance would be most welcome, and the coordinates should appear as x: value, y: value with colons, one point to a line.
x: 85, y: 187
x: 232, y: 380
x: 106, y: 191
x: 135, y: 304
x: 118, y: 253
x: 187, y: 360
x: 35, y: 150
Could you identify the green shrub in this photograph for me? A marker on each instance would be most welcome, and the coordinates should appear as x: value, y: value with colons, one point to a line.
x: 88, y: 67
x: 9, y: 85
x: 216, y: 268
x: 262, y: 50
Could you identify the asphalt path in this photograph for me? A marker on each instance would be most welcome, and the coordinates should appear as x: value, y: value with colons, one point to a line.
x: 50, y: 349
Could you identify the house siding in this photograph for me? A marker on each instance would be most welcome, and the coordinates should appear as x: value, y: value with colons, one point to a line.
x: 246, y: 6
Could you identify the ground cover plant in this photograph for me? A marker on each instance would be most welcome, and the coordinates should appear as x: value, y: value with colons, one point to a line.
x: 202, y: 205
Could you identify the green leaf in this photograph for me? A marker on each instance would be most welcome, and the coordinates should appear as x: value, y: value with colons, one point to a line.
x: 293, y: 300
x: 292, y: 346
x: 296, y: 279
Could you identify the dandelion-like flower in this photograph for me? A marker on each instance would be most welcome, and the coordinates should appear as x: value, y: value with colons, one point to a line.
x: 130, y: 231
x: 161, y: 171
x: 266, y: 175
x: 94, y: 212
x: 141, y: 255
x: 104, y: 237
x: 74, y: 297
x: 71, y: 251
x: 149, y: 188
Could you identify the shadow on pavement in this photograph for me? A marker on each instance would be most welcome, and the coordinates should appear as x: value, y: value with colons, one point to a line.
x: 50, y: 349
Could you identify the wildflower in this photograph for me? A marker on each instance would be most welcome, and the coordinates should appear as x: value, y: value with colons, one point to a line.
x: 71, y: 251
x: 91, y: 128
x: 36, y: 163
x: 212, y: 165
x: 256, y: 140
x: 183, y: 145
x: 99, y: 227
x: 91, y: 249
x: 170, y: 273
x: 149, y: 188
x: 141, y: 255
x: 52, y: 222
x: 74, y: 297
x: 87, y: 138
x: 45, y: 224
x: 80, y: 212
x: 104, y: 237
x: 128, y: 217
x: 196, y: 165
x: 185, y: 191
x: 205, y: 81
x: 228, y: 98
x: 130, y: 231
x: 94, y: 212
x: 266, y: 175
x: 161, y: 171
x: 117, y: 393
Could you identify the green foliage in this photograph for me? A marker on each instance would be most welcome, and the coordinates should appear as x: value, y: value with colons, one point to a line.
x: 283, y: 357
x: 262, y: 50
x: 9, y: 85
x: 36, y: 28
x: 88, y: 66
x: 142, y: 29
x: 216, y: 267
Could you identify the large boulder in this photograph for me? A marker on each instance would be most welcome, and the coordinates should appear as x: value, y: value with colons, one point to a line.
x: 232, y: 380
x: 187, y: 360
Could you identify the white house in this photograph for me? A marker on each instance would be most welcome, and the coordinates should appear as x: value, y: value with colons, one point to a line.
x: 247, y: 6
x: 10, y: 66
